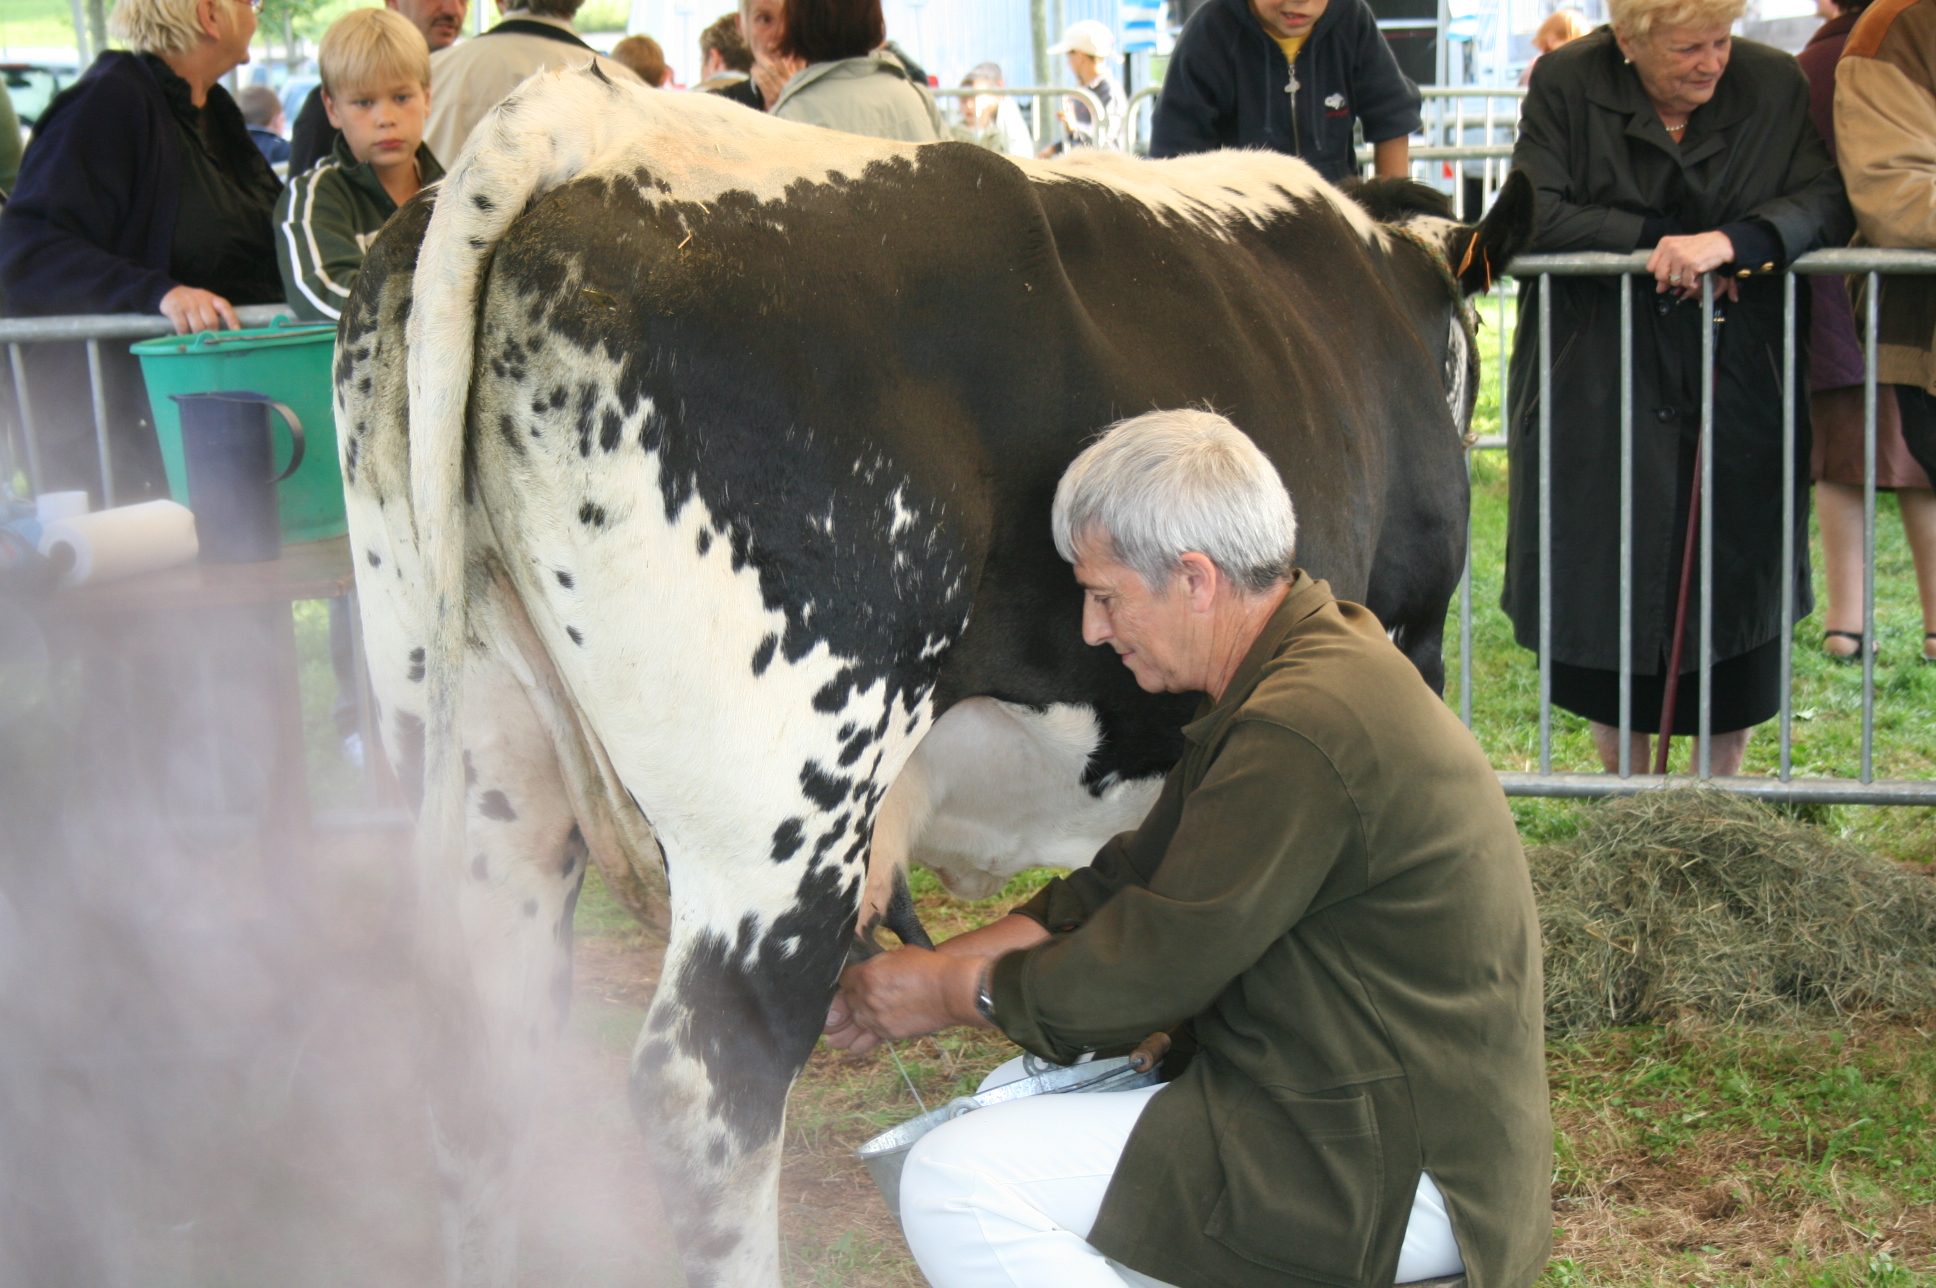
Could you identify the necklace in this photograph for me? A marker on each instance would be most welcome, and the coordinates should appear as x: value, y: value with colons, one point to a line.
x: 1675, y: 129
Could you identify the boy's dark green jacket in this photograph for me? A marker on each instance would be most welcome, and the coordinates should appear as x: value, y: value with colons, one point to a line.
x: 327, y: 218
x: 1330, y: 889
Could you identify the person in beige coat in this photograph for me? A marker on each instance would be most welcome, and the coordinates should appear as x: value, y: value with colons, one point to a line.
x: 468, y: 79
x: 1885, y: 130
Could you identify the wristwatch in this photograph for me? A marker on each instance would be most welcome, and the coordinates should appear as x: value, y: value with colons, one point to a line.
x: 984, y: 996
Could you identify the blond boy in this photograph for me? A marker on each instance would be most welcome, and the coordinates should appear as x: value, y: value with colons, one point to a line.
x: 376, y: 89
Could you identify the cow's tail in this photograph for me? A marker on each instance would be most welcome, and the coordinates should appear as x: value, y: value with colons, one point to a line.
x: 551, y: 129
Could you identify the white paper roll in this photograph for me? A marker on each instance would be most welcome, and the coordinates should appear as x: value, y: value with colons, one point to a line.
x: 122, y: 542
x: 52, y: 507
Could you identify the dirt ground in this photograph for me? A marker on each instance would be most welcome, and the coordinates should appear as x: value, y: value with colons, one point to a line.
x: 336, y: 1184
x: 1725, y: 1209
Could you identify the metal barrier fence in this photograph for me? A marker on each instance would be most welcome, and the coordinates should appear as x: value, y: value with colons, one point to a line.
x: 1148, y: 94
x: 378, y: 807
x: 1042, y: 94
x: 1464, y: 126
x: 19, y: 333
x: 1450, y: 116
x: 1866, y: 789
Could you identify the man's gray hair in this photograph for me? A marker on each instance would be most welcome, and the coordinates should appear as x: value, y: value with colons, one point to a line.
x: 1165, y: 483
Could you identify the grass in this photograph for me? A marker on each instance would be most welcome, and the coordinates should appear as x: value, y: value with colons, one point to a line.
x: 1750, y: 1157
x: 1685, y: 1153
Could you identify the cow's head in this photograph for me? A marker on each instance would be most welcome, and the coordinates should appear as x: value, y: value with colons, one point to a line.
x: 1468, y: 259
x: 1477, y: 255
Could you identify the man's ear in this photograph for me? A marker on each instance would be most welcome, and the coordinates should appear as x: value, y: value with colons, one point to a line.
x: 208, y: 16
x: 1200, y: 580
x: 329, y: 110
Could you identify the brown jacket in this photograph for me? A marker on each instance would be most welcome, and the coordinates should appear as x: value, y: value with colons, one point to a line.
x: 1331, y: 890
x: 1885, y: 129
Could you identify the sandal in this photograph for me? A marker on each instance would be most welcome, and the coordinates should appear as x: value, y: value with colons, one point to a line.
x: 1854, y: 655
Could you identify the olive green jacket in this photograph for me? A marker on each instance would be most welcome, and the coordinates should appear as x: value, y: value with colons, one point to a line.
x: 1331, y: 890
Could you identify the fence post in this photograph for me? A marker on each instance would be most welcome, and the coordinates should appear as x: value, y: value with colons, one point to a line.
x: 1626, y: 525
x: 98, y: 392
x: 1545, y: 523
x: 1869, y: 529
x: 26, y: 403
x: 1787, y: 523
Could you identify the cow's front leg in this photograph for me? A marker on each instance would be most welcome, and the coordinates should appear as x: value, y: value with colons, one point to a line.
x: 754, y: 959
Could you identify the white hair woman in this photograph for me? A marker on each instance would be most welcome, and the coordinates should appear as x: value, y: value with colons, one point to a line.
x: 141, y: 193
x: 1664, y: 133
x: 1325, y: 798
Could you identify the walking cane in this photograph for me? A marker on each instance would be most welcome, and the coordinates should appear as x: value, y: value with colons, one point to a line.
x: 1672, y: 689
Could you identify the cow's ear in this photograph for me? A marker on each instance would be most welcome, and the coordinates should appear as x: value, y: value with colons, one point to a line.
x: 1480, y: 255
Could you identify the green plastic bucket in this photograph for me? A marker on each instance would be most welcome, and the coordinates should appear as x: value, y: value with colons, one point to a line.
x: 289, y: 362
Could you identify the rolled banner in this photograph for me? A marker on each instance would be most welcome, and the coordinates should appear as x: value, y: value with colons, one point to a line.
x: 109, y: 544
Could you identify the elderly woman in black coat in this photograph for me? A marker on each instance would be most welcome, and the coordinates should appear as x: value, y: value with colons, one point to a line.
x: 140, y: 193
x: 1661, y: 132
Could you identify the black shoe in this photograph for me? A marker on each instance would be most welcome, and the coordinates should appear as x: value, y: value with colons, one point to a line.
x: 1843, y: 658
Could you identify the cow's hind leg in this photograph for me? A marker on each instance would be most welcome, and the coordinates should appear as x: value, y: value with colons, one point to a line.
x: 740, y: 1004
x: 522, y: 868
x: 514, y: 884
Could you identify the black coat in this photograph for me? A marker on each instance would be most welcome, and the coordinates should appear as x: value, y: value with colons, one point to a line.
x: 1610, y: 179
x: 1225, y: 88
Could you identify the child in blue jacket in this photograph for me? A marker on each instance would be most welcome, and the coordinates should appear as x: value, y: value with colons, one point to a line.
x: 1291, y: 76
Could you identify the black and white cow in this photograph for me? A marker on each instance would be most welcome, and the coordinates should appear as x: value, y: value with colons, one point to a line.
x: 699, y: 468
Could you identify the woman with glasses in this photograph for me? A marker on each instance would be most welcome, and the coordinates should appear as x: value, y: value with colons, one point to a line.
x: 140, y: 193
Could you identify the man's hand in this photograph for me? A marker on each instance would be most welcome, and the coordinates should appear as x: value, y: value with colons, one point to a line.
x: 770, y: 75
x: 903, y: 994
x: 1678, y: 262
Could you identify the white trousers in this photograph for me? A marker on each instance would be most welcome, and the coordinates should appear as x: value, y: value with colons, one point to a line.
x: 1006, y: 1196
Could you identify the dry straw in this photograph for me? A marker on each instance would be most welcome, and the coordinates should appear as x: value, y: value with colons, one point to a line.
x: 1671, y: 905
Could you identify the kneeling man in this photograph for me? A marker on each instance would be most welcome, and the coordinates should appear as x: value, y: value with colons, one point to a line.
x: 1328, y: 905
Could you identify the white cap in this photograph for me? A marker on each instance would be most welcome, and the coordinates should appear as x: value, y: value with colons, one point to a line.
x: 1087, y: 37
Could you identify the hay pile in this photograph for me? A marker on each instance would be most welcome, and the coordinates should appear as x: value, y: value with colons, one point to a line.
x: 1698, y: 902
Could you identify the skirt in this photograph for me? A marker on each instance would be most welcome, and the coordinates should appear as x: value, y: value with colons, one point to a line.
x: 1837, y: 454
x: 1744, y: 691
